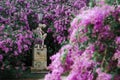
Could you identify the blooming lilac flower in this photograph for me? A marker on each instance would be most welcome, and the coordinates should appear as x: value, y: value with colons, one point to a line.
x: 25, y: 47
x: 103, y: 75
x: 57, y: 11
x: 2, y: 27
x: 1, y: 57
x: 116, y: 55
x: 118, y: 40
x: 1, y: 8
x: 49, y: 30
x: 16, y: 53
x: 16, y: 36
x: 91, y: 44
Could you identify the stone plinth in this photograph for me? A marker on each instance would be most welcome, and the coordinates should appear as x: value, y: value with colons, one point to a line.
x: 39, y: 59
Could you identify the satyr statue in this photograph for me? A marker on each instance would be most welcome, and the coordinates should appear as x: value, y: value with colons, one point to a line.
x: 41, y: 33
x: 39, y: 51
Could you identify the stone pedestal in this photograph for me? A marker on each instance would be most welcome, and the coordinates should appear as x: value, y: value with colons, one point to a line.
x: 39, y: 59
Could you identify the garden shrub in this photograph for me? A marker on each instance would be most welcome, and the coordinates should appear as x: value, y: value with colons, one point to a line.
x: 16, y: 35
x: 93, y: 49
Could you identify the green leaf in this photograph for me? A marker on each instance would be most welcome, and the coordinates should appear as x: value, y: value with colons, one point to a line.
x: 63, y: 57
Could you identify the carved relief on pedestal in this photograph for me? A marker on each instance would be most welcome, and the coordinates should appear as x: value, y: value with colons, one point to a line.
x: 40, y: 57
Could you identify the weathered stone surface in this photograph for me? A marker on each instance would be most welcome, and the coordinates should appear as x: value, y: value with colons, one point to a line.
x: 39, y: 58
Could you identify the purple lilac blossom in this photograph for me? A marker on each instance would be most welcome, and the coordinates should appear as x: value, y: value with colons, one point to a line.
x: 85, y: 58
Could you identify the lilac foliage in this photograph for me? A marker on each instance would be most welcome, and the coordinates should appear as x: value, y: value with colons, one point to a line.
x: 19, y: 17
x: 16, y: 36
x: 58, y: 15
x: 93, y: 49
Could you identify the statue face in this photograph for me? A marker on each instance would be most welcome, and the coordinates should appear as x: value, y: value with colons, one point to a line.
x: 42, y: 25
x: 36, y: 46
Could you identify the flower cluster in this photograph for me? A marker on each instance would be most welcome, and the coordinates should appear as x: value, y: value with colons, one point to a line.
x: 58, y: 14
x: 17, y: 20
x: 18, y: 14
x: 93, y: 49
x: 17, y: 41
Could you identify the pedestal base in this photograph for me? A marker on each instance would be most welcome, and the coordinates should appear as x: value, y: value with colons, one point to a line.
x: 34, y: 70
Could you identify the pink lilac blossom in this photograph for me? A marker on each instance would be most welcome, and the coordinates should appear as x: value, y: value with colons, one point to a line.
x: 87, y: 16
x: 58, y: 14
x: 103, y: 75
x: 57, y: 70
x: 93, y: 47
x: 16, y: 36
x: 81, y: 68
x: 118, y: 40
x: 1, y: 57
x: 116, y: 55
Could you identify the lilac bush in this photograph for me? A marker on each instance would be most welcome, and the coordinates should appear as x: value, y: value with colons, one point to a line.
x: 58, y: 14
x: 19, y: 17
x: 17, y: 20
x: 93, y: 49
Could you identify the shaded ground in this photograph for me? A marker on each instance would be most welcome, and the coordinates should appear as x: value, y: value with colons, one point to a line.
x: 27, y: 76
x: 42, y: 78
x: 63, y: 78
